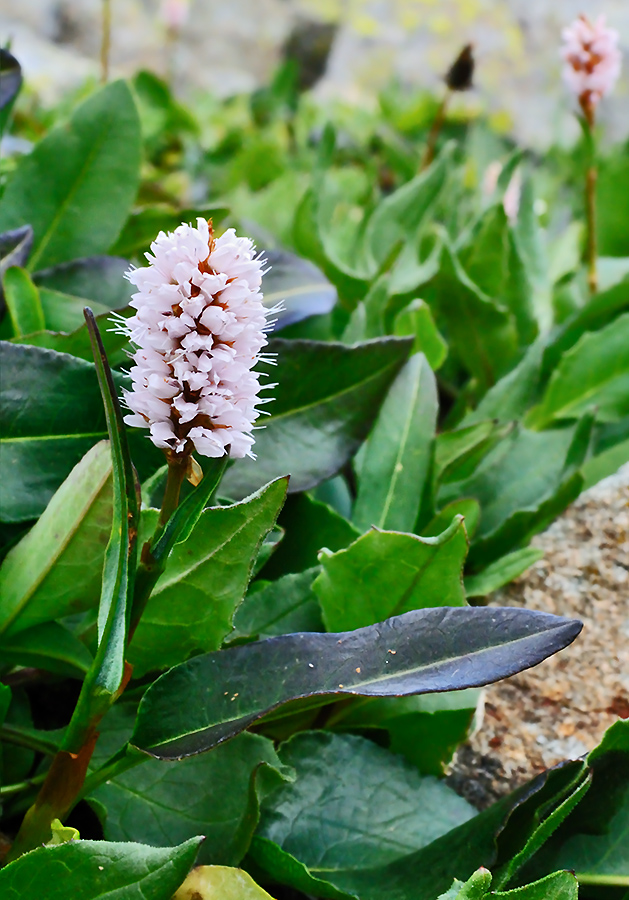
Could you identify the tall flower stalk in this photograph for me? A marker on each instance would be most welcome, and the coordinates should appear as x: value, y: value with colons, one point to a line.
x: 105, y: 40
x: 458, y: 78
x: 592, y: 66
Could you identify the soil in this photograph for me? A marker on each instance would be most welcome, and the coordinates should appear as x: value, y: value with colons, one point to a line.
x: 560, y: 709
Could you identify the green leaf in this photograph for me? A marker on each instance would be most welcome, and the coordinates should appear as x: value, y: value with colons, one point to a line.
x: 56, y: 569
x: 51, y: 413
x: 216, y: 794
x: 480, y: 331
x: 77, y: 185
x: 354, y: 805
x: 309, y: 525
x: 91, y: 870
x: 368, y: 583
x: 427, y: 872
x: 467, y: 507
x: 211, y: 698
x: 521, y: 485
x: 558, y: 886
x: 594, y: 840
x: 279, y: 607
x: 50, y: 647
x: 501, y: 572
x: 397, y: 455
x: 326, y: 399
x: 592, y: 374
x: 298, y: 285
x: 510, y: 398
x: 426, y: 730
x: 416, y: 320
x: 400, y: 215
x: 475, y: 888
x: 77, y: 342
x: 64, y: 312
x: 192, y: 605
x: 99, y: 279
x: 22, y: 299
x: 10, y: 84
x: 105, y: 676
x: 458, y: 452
x: 224, y: 882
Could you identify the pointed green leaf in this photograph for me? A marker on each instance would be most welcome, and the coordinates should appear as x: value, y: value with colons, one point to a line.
x: 385, y: 573
x: 23, y: 303
x: 77, y: 186
x: 397, y: 454
x: 416, y: 321
x: 211, y: 698
x: 501, y: 572
x: 191, y: 608
x: 279, y: 607
x: 56, y: 569
x: 99, y: 279
x: 594, y: 374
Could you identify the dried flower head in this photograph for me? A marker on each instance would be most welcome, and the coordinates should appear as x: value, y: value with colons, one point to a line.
x: 590, y: 51
x: 460, y: 74
x: 199, y: 329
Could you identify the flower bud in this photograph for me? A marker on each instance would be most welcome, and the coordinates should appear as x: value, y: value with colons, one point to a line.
x: 459, y: 75
x: 592, y: 61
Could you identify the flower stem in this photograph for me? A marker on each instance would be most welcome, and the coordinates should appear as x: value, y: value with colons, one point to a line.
x: 590, y: 206
x: 105, y: 41
x: 177, y: 468
x: 435, y: 131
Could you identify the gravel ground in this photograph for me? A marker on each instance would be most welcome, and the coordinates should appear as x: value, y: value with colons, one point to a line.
x: 560, y: 709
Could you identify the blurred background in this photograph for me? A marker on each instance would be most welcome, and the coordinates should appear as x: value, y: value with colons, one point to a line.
x: 358, y: 47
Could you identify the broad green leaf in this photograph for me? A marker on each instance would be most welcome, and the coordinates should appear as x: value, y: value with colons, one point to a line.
x: 64, y: 312
x: 279, y: 607
x: 49, y: 646
x: 385, y: 573
x: 23, y: 303
x: 594, y: 374
x: 91, y: 870
x: 400, y: 215
x: 298, y: 285
x: 458, y: 452
x: 100, y: 279
x: 10, y: 84
x: 56, y: 569
x: 202, y: 702
x: 479, y: 330
x: 77, y: 185
x: 416, y: 320
x: 309, y: 525
x: 220, y: 883
x: 594, y: 840
x: 485, y: 259
x: 51, y: 414
x: 354, y: 805
x: 143, y: 226
x: 427, y: 872
x: 397, y: 455
x: 558, y: 886
x: 527, y: 479
x: 215, y: 794
x: 501, y: 572
x: 192, y: 605
x: 326, y: 399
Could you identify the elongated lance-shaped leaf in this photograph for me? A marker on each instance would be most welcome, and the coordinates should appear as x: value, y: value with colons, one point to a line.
x: 106, y: 674
x: 213, y: 697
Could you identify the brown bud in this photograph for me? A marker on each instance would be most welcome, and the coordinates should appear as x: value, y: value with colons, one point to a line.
x: 459, y: 75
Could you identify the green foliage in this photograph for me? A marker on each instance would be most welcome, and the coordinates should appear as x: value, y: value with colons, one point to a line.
x: 444, y: 384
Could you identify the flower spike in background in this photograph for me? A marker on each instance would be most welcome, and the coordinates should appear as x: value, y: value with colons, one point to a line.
x: 199, y: 329
x: 592, y: 66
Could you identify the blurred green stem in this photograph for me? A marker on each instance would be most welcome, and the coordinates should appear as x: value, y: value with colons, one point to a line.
x: 590, y: 196
x: 435, y: 131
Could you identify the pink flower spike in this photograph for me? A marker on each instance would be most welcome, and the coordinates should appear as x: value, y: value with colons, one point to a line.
x: 592, y: 61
